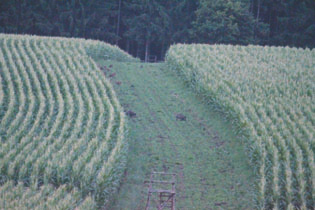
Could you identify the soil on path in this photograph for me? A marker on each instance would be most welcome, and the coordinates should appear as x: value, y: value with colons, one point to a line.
x: 211, y: 162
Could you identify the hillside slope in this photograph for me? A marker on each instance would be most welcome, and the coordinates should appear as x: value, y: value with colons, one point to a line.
x: 268, y: 92
x: 60, y: 121
x: 212, y: 167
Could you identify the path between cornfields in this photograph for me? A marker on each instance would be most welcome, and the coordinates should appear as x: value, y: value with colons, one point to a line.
x: 211, y: 162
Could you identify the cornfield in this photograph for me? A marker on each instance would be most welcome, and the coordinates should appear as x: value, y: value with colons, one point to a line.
x: 24, y: 198
x: 268, y: 93
x: 61, y: 125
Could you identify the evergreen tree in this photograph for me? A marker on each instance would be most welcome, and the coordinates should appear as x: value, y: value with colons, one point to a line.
x: 223, y: 21
x: 148, y: 24
x: 144, y: 27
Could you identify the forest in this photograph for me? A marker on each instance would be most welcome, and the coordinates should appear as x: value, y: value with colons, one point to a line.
x: 147, y: 28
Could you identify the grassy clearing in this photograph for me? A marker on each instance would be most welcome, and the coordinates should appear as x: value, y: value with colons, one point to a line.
x: 212, y: 167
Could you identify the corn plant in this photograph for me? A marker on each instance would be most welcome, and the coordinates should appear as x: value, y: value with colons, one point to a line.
x: 268, y: 92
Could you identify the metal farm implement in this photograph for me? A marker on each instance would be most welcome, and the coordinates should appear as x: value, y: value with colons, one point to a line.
x: 161, y: 191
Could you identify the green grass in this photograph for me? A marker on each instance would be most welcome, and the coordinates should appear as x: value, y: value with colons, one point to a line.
x: 211, y: 162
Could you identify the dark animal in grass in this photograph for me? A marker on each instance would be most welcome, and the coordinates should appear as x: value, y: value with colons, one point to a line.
x: 110, y: 66
x: 131, y: 114
x: 112, y: 75
x: 220, y: 203
x: 181, y: 117
x: 118, y: 83
x: 105, y: 68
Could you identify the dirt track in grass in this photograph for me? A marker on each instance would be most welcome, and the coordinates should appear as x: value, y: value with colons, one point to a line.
x: 212, y: 167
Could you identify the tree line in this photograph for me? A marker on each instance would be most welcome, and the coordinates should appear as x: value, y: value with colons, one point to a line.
x: 149, y: 27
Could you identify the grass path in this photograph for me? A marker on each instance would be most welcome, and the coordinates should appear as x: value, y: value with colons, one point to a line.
x: 212, y: 167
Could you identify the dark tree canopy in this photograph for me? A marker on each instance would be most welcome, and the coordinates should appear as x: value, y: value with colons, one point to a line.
x: 149, y: 27
x: 222, y: 21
